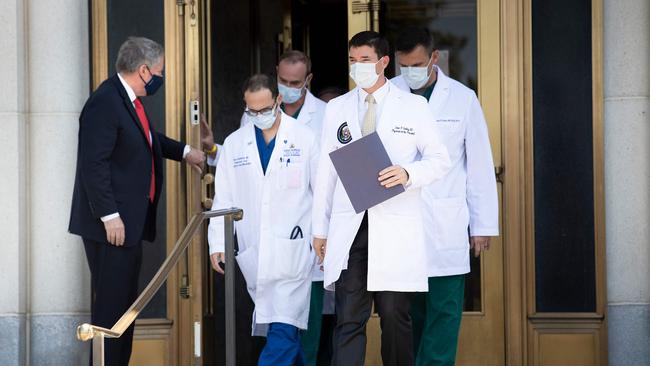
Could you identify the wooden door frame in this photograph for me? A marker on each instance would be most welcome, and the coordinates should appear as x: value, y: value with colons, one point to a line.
x: 563, y: 324
x: 173, y: 328
x: 524, y: 325
x: 513, y: 107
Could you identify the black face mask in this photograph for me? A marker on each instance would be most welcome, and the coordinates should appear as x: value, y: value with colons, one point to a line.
x: 152, y: 86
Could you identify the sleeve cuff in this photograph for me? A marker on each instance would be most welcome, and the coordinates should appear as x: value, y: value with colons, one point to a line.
x: 186, y: 151
x: 216, y: 249
x: 110, y: 217
x: 212, y: 161
x: 483, y: 231
x: 408, y: 182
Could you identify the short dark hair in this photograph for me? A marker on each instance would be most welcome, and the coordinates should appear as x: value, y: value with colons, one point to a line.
x: 370, y: 39
x: 412, y: 37
x: 293, y: 56
x: 258, y: 82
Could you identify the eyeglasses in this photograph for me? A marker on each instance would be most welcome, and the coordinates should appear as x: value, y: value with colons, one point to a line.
x: 268, y: 111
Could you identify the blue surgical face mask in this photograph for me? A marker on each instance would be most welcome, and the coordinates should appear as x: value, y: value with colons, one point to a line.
x: 290, y: 95
x: 152, y: 86
x: 264, y: 120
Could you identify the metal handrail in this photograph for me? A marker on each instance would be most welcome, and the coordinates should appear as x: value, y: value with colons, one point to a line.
x: 86, y: 332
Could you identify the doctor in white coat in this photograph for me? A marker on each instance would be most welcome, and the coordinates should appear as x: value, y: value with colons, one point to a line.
x: 378, y: 255
x: 294, y: 75
x: 267, y: 168
x: 466, y: 198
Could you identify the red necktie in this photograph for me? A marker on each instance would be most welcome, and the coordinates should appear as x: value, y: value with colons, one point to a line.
x: 139, y: 109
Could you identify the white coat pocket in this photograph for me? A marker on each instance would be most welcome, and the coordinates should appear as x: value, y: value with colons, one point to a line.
x: 451, y: 220
x: 247, y: 261
x: 292, y: 259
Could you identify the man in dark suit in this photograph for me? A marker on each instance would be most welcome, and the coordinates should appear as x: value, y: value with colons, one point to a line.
x: 118, y: 184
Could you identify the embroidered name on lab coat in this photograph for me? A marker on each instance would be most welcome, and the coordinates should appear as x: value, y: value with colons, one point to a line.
x: 291, y: 152
x: 242, y: 161
x: 404, y: 130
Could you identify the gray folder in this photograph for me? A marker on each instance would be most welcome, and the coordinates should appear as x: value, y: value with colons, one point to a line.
x: 358, y: 165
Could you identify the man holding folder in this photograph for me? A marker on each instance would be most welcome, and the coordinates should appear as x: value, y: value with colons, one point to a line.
x: 377, y: 255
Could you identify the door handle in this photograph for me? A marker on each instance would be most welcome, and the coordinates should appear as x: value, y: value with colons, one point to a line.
x: 206, y: 180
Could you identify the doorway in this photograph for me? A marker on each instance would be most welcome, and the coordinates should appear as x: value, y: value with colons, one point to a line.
x: 211, y: 47
x: 249, y: 36
x: 243, y: 38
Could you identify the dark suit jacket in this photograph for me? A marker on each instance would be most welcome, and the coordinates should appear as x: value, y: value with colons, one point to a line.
x: 114, y: 166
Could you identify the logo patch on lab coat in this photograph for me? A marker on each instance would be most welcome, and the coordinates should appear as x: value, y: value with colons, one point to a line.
x: 343, y: 134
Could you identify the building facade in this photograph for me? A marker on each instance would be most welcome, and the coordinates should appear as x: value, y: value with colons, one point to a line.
x: 565, y: 87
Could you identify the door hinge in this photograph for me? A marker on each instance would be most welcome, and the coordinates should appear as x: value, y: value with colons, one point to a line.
x: 186, y: 288
x: 180, y: 5
x: 365, y: 7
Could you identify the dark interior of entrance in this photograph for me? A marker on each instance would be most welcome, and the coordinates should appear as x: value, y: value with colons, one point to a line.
x: 246, y: 38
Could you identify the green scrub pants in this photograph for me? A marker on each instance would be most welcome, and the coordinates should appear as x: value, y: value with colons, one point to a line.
x: 310, y: 338
x: 436, y: 316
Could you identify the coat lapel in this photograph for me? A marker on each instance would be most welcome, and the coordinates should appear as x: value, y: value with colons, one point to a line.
x: 440, y: 92
x: 251, y: 148
x: 129, y: 107
x: 308, y: 109
x: 351, y: 115
x: 391, y: 100
x: 280, y: 136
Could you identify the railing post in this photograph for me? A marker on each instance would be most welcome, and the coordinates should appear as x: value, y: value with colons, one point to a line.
x: 86, y: 332
x: 98, y: 349
x: 230, y: 290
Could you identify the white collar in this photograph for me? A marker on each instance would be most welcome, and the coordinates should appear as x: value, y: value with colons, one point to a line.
x: 379, y: 94
x: 129, y: 90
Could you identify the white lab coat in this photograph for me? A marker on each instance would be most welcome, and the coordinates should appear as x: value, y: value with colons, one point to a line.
x: 396, y: 248
x: 311, y: 115
x: 467, y: 195
x: 277, y: 269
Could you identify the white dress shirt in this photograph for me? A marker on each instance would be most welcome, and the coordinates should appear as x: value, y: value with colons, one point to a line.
x: 379, y: 95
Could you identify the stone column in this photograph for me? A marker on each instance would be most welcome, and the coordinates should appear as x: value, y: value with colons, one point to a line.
x: 13, y: 185
x: 627, y: 178
x: 58, y: 59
